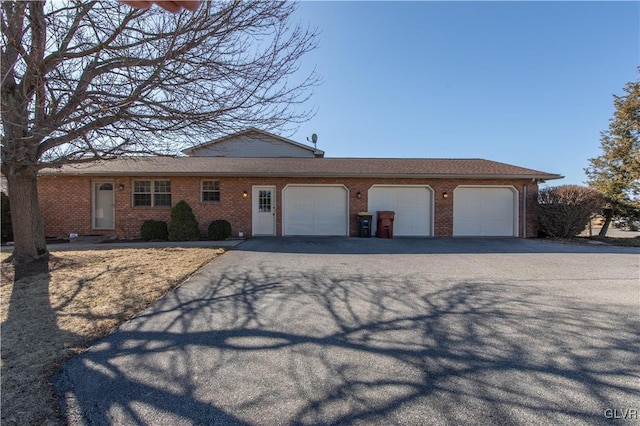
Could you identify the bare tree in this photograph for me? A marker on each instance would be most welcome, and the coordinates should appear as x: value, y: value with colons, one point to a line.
x: 87, y: 80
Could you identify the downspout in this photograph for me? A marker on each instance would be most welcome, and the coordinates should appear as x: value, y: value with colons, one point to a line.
x: 524, y: 211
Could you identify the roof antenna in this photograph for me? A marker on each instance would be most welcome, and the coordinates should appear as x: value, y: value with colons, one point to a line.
x: 314, y: 140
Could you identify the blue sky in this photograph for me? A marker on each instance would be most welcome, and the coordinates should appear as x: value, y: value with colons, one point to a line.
x: 525, y: 83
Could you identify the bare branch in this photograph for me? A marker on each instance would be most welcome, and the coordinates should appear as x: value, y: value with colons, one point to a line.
x: 99, y: 73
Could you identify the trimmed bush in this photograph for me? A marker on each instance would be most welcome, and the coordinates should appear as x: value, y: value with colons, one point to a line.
x: 219, y: 230
x: 564, y: 211
x: 6, y: 230
x: 154, y: 230
x: 183, y: 226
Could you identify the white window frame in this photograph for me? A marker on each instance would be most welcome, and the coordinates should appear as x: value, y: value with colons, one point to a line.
x: 213, y: 191
x: 153, y: 193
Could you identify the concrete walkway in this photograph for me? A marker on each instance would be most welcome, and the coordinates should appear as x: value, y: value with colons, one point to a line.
x: 134, y: 244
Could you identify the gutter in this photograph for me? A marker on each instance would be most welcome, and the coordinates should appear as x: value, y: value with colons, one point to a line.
x: 301, y: 175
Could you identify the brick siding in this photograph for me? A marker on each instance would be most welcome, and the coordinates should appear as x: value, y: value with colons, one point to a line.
x: 67, y: 206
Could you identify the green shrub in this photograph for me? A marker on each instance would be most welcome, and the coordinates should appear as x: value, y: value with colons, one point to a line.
x: 219, y: 230
x: 183, y: 226
x: 154, y: 230
x: 564, y: 211
x: 6, y: 230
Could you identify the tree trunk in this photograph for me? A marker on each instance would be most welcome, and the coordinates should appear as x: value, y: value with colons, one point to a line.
x: 608, y: 214
x: 28, y: 226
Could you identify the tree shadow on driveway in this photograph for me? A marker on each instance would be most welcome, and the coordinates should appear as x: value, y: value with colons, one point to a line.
x: 269, y: 345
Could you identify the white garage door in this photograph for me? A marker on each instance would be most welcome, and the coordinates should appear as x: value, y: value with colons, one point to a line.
x: 412, y: 205
x: 485, y: 211
x: 315, y: 210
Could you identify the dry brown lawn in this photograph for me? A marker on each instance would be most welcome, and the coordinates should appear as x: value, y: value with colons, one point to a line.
x: 49, y: 317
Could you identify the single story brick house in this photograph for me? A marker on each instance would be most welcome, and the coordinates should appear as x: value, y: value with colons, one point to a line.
x: 264, y: 184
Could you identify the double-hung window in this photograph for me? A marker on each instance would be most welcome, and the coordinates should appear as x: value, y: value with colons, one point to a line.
x: 152, y: 193
x: 210, y: 190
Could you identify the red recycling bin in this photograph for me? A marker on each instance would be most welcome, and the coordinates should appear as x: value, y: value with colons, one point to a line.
x: 385, y: 224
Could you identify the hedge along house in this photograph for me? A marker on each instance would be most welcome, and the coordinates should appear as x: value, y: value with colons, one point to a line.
x: 264, y: 184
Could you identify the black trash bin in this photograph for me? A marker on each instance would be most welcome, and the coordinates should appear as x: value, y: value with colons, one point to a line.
x: 364, y: 224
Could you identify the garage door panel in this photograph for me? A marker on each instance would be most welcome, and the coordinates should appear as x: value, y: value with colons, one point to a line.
x: 411, y: 204
x: 481, y: 211
x: 315, y: 210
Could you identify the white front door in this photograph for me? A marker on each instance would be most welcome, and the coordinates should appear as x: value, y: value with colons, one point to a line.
x: 104, y: 210
x: 264, y: 210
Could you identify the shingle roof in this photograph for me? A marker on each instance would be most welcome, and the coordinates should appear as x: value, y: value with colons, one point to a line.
x: 303, y: 167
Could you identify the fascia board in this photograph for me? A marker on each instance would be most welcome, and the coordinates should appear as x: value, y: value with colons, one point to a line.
x: 309, y: 175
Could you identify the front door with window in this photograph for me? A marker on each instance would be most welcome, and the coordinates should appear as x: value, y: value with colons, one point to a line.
x: 264, y: 210
x: 104, y: 212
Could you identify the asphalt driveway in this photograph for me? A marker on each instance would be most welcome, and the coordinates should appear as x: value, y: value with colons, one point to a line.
x: 318, y: 331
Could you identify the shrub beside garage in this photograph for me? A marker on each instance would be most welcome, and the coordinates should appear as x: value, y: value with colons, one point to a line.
x: 564, y: 211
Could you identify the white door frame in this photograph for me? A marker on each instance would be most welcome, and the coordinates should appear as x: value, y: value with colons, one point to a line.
x: 94, y: 204
x: 256, y: 214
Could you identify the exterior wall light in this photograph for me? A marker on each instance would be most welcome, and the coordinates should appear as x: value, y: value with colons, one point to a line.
x: 445, y: 194
x: 359, y: 195
x: 245, y: 194
x: 121, y: 187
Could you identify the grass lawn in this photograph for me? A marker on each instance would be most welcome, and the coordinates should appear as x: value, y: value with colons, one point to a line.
x: 49, y: 317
